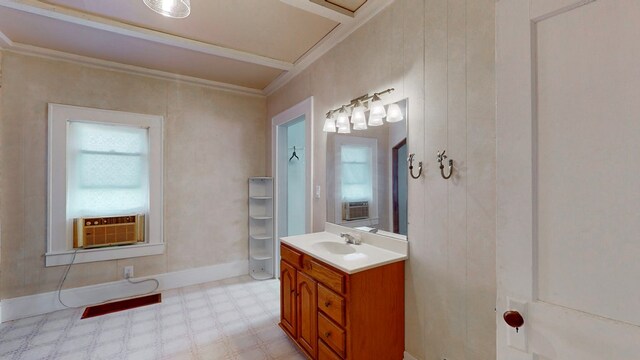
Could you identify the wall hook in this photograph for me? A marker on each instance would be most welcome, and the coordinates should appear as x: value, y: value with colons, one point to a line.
x: 410, y: 160
x: 442, y: 157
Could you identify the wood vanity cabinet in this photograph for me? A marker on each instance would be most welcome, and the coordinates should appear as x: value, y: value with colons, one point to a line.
x: 332, y: 315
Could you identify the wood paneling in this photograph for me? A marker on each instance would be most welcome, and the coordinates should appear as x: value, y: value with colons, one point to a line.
x: 343, y: 316
x: 288, y: 298
x: 332, y: 335
x: 291, y: 256
x: 328, y: 276
x: 307, y: 313
x: 377, y: 313
x: 331, y: 304
x: 325, y: 353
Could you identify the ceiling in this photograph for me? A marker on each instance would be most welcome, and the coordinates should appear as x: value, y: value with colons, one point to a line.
x: 253, y: 46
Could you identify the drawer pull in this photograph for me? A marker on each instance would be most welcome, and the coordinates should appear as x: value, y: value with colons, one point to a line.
x: 327, y: 303
x: 327, y: 334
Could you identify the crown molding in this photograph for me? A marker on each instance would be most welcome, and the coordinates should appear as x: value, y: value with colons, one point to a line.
x: 116, y: 27
x: 341, y: 16
x: 124, y: 68
x: 346, y: 27
x: 366, y: 12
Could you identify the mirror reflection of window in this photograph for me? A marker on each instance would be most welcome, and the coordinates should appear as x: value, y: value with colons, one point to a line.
x: 356, y: 166
x: 356, y: 180
x: 367, y: 180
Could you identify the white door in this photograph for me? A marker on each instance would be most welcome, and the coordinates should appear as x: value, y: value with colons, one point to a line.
x: 568, y: 138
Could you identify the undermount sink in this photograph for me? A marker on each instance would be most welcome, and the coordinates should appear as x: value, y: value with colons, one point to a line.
x: 334, y: 247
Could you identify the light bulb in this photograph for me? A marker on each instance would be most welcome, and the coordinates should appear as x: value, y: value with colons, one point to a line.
x: 344, y: 129
x: 375, y: 120
x: 377, y: 109
x: 343, y: 118
x: 329, y: 124
x: 360, y: 125
x: 357, y: 115
x: 171, y: 8
x: 394, y: 113
x: 167, y: 5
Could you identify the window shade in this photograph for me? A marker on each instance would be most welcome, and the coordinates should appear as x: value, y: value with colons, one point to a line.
x: 107, y: 169
x: 356, y: 173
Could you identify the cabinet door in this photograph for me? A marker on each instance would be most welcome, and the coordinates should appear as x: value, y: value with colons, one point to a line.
x: 307, y: 313
x: 288, y: 304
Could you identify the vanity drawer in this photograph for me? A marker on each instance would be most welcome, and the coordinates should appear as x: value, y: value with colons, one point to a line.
x: 332, y: 335
x: 331, y: 304
x: 331, y: 278
x: 291, y: 256
x: 325, y: 353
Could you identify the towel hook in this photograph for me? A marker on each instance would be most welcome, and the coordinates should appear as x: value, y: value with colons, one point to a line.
x: 442, y: 157
x: 410, y: 160
x: 294, y: 155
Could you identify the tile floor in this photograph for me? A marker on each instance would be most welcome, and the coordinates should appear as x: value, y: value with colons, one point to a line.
x: 229, y: 319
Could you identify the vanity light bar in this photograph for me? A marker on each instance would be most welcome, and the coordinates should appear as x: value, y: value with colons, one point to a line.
x: 341, y: 118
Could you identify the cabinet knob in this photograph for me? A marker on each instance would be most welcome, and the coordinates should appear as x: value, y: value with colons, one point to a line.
x: 327, y: 303
x: 327, y: 334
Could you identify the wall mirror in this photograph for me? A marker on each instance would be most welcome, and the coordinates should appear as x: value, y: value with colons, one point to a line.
x: 367, y: 178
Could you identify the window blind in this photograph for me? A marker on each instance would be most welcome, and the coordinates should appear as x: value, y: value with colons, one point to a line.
x: 107, y: 169
x: 356, y: 173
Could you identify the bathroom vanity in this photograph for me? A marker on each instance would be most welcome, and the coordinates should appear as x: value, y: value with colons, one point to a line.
x: 343, y: 301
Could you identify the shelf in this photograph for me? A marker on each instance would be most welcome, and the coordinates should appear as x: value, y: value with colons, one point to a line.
x: 261, y: 255
x: 261, y: 217
x: 262, y: 275
x: 261, y: 236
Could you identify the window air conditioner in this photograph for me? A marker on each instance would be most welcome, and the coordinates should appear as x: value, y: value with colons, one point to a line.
x: 355, y: 210
x: 108, y: 231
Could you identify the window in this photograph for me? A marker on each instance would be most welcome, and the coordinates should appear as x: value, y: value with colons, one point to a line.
x: 356, y: 167
x: 356, y: 160
x: 107, y: 170
x: 103, y: 163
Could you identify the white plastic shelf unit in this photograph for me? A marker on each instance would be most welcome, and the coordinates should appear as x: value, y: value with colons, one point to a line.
x: 261, y: 244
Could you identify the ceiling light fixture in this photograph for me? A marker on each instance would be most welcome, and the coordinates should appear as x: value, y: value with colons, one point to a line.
x: 357, y: 110
x: 178, y: 9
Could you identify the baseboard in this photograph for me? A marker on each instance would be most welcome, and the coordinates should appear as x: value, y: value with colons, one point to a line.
x: 26, y: 306
x: 408, y: 356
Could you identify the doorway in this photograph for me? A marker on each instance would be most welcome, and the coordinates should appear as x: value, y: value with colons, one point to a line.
x: 291, y: 154
x: 400, y: 190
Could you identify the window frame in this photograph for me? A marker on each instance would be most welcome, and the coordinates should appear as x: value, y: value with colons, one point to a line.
x: 59, y: 249
x: 372, y: 143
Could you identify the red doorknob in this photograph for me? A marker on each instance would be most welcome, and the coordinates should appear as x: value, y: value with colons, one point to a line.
x: 513, y: 319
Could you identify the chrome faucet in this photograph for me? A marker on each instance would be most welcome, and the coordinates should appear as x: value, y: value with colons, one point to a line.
x: 350, y: 238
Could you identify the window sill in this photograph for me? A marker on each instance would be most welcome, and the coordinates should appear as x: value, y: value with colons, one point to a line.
x: 103, y: 254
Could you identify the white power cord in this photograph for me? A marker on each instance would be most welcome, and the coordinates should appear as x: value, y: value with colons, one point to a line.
x: 66, y: 272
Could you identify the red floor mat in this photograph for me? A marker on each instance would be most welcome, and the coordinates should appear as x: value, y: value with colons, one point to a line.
x: 108, y: 308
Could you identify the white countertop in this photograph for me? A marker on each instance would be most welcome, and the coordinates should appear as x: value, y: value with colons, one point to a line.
x: 355, y: 258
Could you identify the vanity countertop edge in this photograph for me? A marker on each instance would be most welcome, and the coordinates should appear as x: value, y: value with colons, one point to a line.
x: 365, y: 256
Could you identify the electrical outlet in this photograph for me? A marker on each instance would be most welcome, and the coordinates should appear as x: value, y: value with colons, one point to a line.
x: 128, y: 272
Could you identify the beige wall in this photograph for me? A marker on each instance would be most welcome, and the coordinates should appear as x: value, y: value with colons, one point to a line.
x: 211, y: 139
x: 440, y: 55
